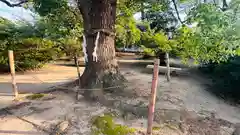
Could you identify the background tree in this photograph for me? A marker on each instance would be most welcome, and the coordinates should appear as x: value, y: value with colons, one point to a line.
x: 161, y: 16
x: 60, y: 29
x: 213, y: 39
x: 25, y: 40
x: 127, y: 32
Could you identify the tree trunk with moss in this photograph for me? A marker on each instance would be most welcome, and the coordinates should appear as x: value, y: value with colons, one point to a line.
x: 99, y: 16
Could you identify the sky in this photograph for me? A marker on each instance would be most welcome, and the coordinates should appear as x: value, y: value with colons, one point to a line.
x: 15, y: 13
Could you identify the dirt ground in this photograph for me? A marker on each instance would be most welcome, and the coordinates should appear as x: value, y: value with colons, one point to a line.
x: 183, y: 107
x: 35, y: 81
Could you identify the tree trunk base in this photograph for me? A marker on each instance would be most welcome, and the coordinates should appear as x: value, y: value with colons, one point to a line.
x: 95, y: 85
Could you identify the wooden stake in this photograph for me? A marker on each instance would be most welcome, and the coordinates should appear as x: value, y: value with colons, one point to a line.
x: 168, y: 67
x: 152, y: 101
x: 79, y: 76
x: 12, y: 69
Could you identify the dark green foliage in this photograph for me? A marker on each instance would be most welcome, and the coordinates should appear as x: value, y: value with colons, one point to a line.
x: 30, y: 49
x: 35, y: 45
x: 29, y: 53
x: 62, y: 24
x: 56, y: 33
x: 44, y: 7
x: 226, y: 78
x: 161, y: 16
x: 127, y: 32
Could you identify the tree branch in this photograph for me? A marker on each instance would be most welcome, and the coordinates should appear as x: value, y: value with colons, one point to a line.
x: 83, y: 7
x: 178, y: 16
x: 75, y: 12
x: 15, y: 4
x: 225, y: 5
x: 214, y: 2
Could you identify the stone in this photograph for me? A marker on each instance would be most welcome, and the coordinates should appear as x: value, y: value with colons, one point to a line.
x: 63, y: 126
x: 60, y: 128
x: 237, y: 129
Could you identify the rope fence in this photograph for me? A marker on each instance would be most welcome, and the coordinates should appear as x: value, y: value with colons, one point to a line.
x: 78, y: 90
x: 153, y: 89
x: 83, y: 89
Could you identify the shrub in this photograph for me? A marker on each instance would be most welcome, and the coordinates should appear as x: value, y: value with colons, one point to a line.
x: 226, y: 78
x: 36, y: 44
x: 29, y: 53
x: 70, y: 47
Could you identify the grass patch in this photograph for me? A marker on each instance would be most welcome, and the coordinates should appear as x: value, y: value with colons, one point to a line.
x: 104, y: 125
x: 156, y: 128
x: 35, y: 96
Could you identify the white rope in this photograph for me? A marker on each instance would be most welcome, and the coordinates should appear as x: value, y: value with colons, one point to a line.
x: 84, y: 47
x: 95, y: 57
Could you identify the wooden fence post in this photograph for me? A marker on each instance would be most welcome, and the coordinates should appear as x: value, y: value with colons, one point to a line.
x: 152, y: 101
x: 79, y: 76
x: 12, y: 69
x: 168, y: 67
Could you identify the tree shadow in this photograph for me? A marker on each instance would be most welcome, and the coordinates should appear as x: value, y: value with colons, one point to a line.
x: 172, y: 117
x: 7, y: 95
x: 8, y: 132
x: 37, y: 110
x: 30, y: 113
x: 70, y: 64
x: 223, y: 93
x: 192, y: 74
x: 219, y: 87
x: 23, y: 88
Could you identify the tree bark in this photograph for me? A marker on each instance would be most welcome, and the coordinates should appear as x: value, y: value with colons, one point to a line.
x: 168, y: 67
x: 161, y: 56
x: 99, y: 16
x: 142, y: 11
x: 19, y: 4
x: 225, y: 5
x: 176, y: 9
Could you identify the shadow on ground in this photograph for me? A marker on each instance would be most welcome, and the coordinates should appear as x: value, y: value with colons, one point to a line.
x: 6, y: 88
x: 8, y: 132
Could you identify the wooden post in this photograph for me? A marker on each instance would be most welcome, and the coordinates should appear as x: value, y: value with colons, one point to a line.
x: 79, y: 76
x: 152, y: 101
x: 168, y: 67
x: 12, y: 69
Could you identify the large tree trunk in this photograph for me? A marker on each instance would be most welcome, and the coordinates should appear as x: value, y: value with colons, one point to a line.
x: 99, y: 16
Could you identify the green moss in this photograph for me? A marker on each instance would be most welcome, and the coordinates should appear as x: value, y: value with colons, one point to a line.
x: 104, y: 125
x: 112, y: 114
x: 156, y: 128
x: 35, y: 96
